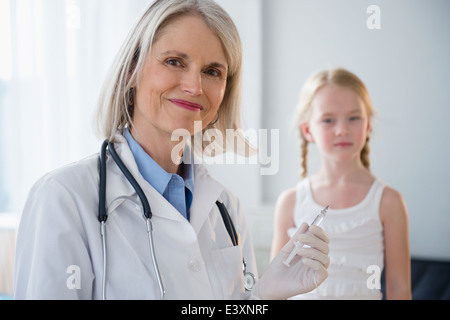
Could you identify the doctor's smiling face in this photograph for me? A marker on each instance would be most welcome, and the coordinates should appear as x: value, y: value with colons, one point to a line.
x: 183, y: 79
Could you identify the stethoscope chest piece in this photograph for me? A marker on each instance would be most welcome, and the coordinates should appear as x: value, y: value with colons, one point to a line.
x: 249, y: 281
x: 249, y: 278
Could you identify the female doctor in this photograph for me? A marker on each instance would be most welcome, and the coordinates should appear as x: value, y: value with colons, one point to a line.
x: 179, y: 66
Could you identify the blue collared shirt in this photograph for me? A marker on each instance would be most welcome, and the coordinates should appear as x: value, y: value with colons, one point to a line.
x: 177, y: 190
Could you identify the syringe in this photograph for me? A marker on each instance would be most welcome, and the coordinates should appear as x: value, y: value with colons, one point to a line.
x: 317, y: 221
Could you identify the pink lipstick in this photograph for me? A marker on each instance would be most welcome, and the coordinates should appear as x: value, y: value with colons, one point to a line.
x: 186, y: 104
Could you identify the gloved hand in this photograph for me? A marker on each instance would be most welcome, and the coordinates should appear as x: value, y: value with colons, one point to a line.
x: 307, y: 270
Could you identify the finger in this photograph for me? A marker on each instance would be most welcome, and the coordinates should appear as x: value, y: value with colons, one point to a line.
x: 319, y: 233
x: 320, y: 273
x: 290, y: 244
x: 311, y: 240
x: 313, y: 254
x: 302, y: 229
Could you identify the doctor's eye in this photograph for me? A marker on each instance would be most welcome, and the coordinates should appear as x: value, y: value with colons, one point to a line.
x: 174, y: 62
x: 213, y: 72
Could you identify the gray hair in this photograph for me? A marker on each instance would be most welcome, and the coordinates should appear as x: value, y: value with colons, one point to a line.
x: 115, y: 105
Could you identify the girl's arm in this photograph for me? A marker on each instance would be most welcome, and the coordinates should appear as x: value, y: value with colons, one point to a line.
x: 283, y: 220
x: 394, y: 217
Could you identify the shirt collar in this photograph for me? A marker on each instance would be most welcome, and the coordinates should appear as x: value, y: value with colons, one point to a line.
x: 152, y: 171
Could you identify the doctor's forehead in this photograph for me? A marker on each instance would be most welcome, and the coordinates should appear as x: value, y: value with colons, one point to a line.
x: 189, y: 36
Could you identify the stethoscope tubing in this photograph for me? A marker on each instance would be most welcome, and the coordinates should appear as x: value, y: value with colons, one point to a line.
x: 162, y: 291
x: 103, y: 234
x: 103, y: 216
x: 131, y: 179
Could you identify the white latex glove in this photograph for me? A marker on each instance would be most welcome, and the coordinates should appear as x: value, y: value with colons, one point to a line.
x: 307, y: 270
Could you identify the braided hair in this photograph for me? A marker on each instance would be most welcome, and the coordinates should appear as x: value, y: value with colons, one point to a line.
x: 340, y: 77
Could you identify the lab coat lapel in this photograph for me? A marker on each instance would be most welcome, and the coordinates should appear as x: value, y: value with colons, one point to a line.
x: 206, y: 192
x: 118, y: 187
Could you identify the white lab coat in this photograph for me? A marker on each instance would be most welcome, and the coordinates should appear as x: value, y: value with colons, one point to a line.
x: 59, y: 248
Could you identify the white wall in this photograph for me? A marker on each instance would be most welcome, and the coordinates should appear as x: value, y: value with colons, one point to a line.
x: 406, y: 68
x: 244, y: 179
x: 405, y: 65
x: 59, y: 60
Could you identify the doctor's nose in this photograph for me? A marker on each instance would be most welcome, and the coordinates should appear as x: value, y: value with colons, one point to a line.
x: 192, y: 83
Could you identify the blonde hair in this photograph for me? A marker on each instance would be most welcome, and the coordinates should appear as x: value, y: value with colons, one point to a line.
x: 115, y: 105
x: 340, y: 77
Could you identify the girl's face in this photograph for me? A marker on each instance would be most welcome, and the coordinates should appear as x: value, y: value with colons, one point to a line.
x: 338, y: 124
x: 183, y: 80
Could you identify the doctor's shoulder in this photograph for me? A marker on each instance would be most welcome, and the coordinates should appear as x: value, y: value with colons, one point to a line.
x: 77, y: 180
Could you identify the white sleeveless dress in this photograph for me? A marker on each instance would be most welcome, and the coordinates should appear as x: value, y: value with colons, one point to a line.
x: 356, y: 244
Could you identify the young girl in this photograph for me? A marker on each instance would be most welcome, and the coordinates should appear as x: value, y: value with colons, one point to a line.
x: 367, y: 221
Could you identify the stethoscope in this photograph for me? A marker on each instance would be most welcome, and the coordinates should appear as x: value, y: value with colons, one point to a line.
x: 249, y: 278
